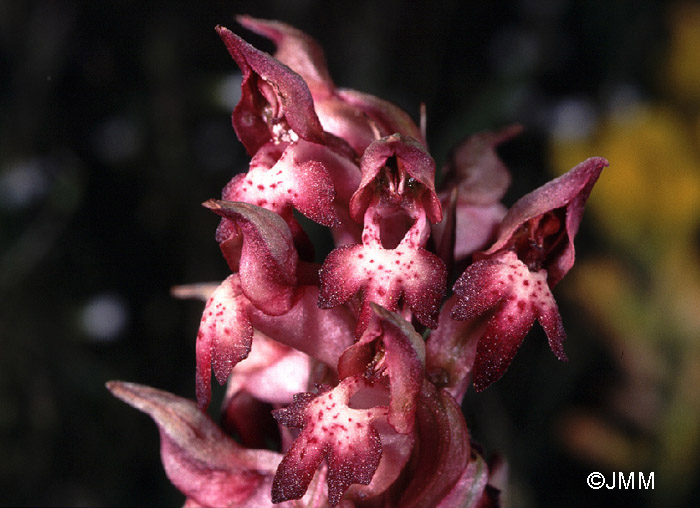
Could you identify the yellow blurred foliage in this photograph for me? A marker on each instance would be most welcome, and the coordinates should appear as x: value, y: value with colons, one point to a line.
x: 682, y: 75
x: 645, y: 293
x: 650, y: 195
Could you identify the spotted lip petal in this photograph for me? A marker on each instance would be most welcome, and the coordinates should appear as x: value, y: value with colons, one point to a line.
x: 224, y: 338
x: 504, y: 289
x: 384, y: 276
x: 279, y: 180
x: 564, y: 196
x: 268, y: 258
x: 402, y: 354
x: 229, y: 324
x: 199, y: 459
x: 331, y: 429
x: 411, y: 157
x: 396, y: 451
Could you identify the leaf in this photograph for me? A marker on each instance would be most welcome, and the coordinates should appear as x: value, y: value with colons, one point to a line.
x: 199, y: 459
x: 442, y: 453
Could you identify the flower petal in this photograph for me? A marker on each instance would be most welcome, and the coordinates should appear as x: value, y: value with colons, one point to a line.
x: 396, y: 451
x: 297, y: 50
x: 501, y: 340
x: 199, y: 459
x: 403, y: 358
x: 275, y: 101
x: 386, y: 117
x: 411, y: 157
x: 476, y: 170
x: 331, y: 429
x: 477, y: 227
x: 566, y: 194
x: 278, y: 180
x: 511, y: 297
x: 224, y: 338
x: 384, y: 276
x: 550, y: 319
x: 481, y: 287
x: 268, y: 259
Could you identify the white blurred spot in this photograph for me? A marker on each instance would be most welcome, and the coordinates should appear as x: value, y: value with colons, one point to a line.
x: 623, y: 100
x: 22, y: 184
x: 573, y: 119
x: 228, y: 91
x: 104, y: 317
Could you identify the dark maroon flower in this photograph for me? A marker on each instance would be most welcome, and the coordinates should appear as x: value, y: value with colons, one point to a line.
x: 396, y: 198
x: 390, y: 351
x: 353, y: 116
x: 383, y: 427
x: 512, y: 280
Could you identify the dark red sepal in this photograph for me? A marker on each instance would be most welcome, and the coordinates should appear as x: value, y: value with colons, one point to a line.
x: 268, y: 258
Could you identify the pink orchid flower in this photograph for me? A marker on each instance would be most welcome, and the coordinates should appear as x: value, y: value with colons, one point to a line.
x: 345, y: 378
x: 511, y: 281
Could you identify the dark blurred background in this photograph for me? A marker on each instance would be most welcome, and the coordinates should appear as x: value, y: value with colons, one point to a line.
x: 115, y: 126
